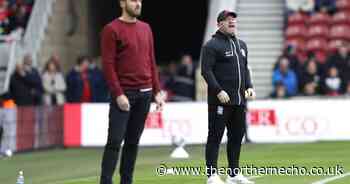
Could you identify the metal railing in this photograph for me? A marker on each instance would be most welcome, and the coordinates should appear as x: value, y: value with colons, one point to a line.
x: 35, y: 30
x: 7, y: 58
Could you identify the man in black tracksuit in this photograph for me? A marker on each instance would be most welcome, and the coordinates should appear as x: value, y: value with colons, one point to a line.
x: 224, y: 67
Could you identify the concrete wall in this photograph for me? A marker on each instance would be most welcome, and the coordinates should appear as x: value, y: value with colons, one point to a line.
x: 57, y: 41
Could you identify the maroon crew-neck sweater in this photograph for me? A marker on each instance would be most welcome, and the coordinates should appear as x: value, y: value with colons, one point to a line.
x: 128, y: 60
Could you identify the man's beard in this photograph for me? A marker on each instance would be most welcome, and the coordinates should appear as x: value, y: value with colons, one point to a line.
x: 132, y: 13
x: 227, y: 32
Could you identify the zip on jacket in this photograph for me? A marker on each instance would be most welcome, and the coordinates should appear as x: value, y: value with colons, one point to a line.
x: 239, y: 71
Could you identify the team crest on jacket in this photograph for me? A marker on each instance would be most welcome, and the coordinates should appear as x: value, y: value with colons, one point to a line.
x: 243, y: 52
x: 228, y: 53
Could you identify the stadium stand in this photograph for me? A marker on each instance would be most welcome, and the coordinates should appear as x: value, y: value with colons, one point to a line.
x: 14, y: 14
x: 317, y: 35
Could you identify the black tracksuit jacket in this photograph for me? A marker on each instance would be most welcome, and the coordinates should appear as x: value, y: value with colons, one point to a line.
x: 224, y: 66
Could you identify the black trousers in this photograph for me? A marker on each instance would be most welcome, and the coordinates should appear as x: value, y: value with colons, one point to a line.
x: 127, y: 126
x: 233, y: 118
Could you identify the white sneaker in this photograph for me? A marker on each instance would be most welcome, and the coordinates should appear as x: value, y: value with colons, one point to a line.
x: 238, y: 179
x: 215, y: 179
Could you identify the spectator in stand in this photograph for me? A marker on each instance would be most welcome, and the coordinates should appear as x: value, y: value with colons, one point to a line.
x: 23, y: 89
x: 27, y: 3
x: 310, y: 89
x: 300, y: 5
x: 55, y: 59
x: 54, y: 84
x: 328, y: 5
x: 346, y: 74
x: 280, y: 91
x: 340, y: 60
x: 4, y: 18
x: 166, y: 73
x: 20, y: 18
x: 34, y: 76
x: 291, y: 53
x: 187, y: 68
x: 332, y: 83
x: 78, y: 82
x: 185, y: 79
x: 14, y: 14
x: 287, y: 76
x: 12, y: 7
x: 180, y: 83
x: 12, y: 2
x: 296, y: 64
x: 309, y: 80
x: 167, y: 79
x: 99, y: 87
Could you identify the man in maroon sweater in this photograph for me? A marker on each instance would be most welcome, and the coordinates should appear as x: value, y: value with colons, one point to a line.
x: 130, y: 70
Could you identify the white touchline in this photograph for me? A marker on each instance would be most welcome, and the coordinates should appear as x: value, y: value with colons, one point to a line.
x: 326, y: 180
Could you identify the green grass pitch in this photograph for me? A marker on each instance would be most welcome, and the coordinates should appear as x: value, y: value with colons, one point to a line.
x: 82, y: 166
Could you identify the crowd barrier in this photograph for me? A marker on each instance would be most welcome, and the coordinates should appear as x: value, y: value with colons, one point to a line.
x: 29, y: 128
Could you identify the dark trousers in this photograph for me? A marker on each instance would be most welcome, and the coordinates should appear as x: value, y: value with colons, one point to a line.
x: 127, y: 126
x: 233, y: 118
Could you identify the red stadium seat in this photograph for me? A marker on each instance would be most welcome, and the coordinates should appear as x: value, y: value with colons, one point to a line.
x: 343, y: 4
x: 302, y: 57
x: 316, y: 44
x: 297, y: 18
x: 340, y: 32
x: 296, y: 31
x: 299, y: 44
x: 341, y: 18
x: 321, y: 56
x: 319, y: 31
x: 319, y: 19
x: 333, y: 45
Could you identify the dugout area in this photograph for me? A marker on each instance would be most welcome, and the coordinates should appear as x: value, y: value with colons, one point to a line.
x: 178, y: 26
